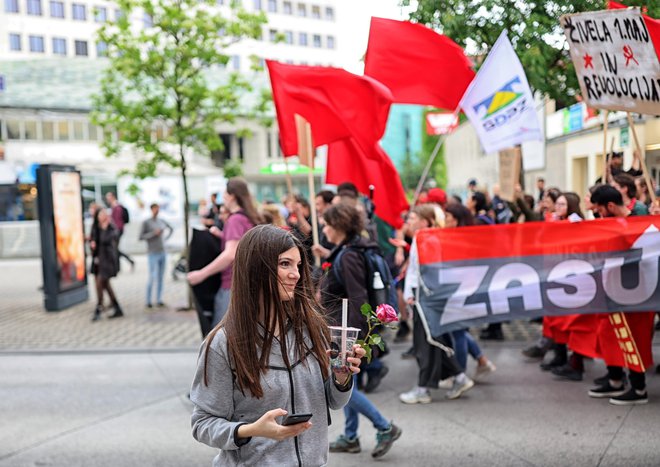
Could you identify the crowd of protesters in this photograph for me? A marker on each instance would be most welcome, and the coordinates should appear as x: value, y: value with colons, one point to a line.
x: 347, y: 229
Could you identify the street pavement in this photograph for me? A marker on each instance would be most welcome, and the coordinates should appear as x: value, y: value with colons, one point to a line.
x: 113, y: 393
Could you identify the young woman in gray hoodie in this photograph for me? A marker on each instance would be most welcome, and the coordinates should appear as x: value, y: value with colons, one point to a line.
x: 266, y: 359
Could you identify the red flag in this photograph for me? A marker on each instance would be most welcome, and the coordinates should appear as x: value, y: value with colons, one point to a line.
x: 653, y: 25
x: 349, y: 113
x: 346, y: 164
x: 419, y: 65
x: 336, y: 103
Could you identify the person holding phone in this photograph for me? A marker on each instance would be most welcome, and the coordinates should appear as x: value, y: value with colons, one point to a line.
x: 268, y: 359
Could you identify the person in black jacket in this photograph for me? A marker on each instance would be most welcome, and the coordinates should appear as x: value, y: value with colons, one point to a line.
x: 104, y: 243
x: 344, y: 226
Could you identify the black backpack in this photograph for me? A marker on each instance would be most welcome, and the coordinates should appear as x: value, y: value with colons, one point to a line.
x: 374, y: 263
x: 124, y: 214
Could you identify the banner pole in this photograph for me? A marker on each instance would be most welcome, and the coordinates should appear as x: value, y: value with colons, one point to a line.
x: 425, y: 174
x: 605, y: 158
x: 306, y: 153
x: 642, y: 159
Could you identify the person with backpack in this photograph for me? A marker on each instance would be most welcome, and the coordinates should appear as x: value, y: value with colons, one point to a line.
x: 347, y: 276
x: 120, y: 217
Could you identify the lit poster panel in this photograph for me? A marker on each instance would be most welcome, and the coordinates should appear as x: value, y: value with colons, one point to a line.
x: 69, y: 230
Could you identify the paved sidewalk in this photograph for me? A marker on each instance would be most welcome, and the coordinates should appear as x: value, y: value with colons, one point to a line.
x: 100, y: 409
x: 26, y: 325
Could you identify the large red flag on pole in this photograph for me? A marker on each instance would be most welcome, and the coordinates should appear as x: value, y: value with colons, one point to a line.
x: 349, y: 113
x: 419, y: 65
x: 653, y: 25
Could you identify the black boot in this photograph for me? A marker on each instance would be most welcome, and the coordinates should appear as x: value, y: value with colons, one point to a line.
x: 560, y: 358
x: 97, y: 313
x: 402, y: 332
x: 118, y: 312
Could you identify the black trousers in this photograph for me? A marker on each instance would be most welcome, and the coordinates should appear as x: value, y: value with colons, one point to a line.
x: 434, y: 364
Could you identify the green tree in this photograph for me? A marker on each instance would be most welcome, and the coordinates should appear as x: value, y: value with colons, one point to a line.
x: 533, y: 28
x: 158, y: 76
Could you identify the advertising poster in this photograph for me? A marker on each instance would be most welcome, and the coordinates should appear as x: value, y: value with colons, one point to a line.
x: 69, y: 231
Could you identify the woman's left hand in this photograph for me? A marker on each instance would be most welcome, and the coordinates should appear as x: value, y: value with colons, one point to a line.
x: 353, y: 364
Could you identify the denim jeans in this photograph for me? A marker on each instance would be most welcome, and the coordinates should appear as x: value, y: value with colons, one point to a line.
x: 156, y: 273
x: 359, y: 404
x: 464, y: 343
x: 220, y: 305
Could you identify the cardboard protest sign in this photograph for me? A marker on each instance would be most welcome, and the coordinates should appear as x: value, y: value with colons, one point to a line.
x: 615, y: 60
x: 509, y: 172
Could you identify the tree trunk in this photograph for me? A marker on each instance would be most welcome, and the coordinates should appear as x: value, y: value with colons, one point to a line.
x: 186, y: 219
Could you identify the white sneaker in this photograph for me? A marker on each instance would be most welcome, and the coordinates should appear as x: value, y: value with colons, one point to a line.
x: 446, y: 383
x: 416, y: 395
x: 458, y: 389
x: 483, y: 371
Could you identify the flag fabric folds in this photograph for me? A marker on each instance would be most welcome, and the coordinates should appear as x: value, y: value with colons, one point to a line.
x: 417, y: 64
x: 349, y: 114
x: 499, y: 102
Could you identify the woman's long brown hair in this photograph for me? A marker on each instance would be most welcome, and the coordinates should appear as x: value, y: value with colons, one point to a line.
x: 256, y: 310
x: 238, y: 187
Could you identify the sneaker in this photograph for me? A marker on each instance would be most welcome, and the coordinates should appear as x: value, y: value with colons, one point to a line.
x: 408, y: 354
x: 384, y: 440
x: 534, y: 352
x: 161, y: 305
x: 149, y: 305
x: 632, y: 397
x: 374, y: 380
x: 490, y: 334
x: 416, y: 395
x: 603, y: 380
x: 607, y: 390
x: 556, y: 362
x: 483, y: 371
x: 567, y: 372
x: 402, y: 333
x: 344, y: 444
x: 446, y: 383
x: 459, y: 388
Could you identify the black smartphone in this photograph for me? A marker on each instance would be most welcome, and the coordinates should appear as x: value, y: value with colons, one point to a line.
x: 295, y: 418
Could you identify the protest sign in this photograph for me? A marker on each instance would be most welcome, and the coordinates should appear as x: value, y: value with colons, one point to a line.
x: 615, y: 60
x: 488, y: 274
x: 509, y: 172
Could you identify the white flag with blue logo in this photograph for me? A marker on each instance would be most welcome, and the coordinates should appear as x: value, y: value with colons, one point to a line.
x: 499, y: 102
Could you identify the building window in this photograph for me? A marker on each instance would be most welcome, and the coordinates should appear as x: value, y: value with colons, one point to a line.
x: 30, y: 129
x: 81, y: 48
x: 79, y: 12
x: 37, y: 44
x: 330, y: 13
x: 101, y: 49
x: 78, y: 131
x: 34, y: 7
x: 288, y: 37
x: 118, y: 14
x: 302, y: 39
x: 56, y: 9
x: 287, y: 9
x: 220, y: 2
x: 272, y: 35
x: 59, y: 46
x: 272, y: 6
x: 330, y: 42
x: 101, y: 15
x: 47, y: 131
x: 63, y: 131
x: 11, y: 6
x: 15, y: 42
x: 302, y: 10
x: 257, y: 5
x: 13, y: 129
x: 236, y: 62
x: 147, y: 20
x: 316, y: 12
x: 317, y: 41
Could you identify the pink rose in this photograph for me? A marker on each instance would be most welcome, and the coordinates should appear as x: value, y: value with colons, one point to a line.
x: 386, y: 314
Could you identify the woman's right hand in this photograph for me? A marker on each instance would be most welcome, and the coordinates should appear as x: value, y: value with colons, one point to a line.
x: 267, y: 427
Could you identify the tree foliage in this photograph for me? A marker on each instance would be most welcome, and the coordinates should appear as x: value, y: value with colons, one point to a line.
x: 533, y: 28
x: 156, y: 96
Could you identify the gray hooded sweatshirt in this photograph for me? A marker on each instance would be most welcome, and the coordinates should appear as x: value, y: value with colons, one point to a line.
x: 220, y: 408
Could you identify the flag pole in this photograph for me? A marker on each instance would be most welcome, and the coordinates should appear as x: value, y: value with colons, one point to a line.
x: 306, y: 155
x: 605, y: 158
x: 289, y: 183
x: 642, y: 159
x: 425, y: 174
